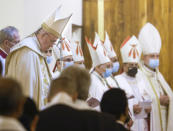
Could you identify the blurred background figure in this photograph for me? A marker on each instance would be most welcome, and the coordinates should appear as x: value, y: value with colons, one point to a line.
x: 29, y: 113
x: 9, y: 37
x: 11, y: 105
x: 82, y: 79
x: 114, y: 102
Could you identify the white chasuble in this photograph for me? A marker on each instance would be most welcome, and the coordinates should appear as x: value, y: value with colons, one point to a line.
x: 26, y: 64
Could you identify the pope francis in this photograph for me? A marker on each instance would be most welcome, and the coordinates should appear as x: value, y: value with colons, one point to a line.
x: 27, y: 60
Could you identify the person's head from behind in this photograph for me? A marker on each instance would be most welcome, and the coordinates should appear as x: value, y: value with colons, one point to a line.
x: 30, y: 111
x: 11, y: 98
x: 63, y: 84
x: 46, y: 39
x: 9, y: 37
x: 82, y: 79
x: 114, y: 101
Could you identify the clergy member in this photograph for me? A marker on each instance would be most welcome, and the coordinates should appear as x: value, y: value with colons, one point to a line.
x: 78, y: 56
x: 160, y: 91
x: 102, y: 68
x: 27, y: 60
x: 9, y: 37
x: 113, y: 57
x: 132, y: 84
x: 63, y: 55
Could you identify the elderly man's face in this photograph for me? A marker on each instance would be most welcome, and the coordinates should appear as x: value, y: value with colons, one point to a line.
x: 15, y: 40
x: 101, y: 69
x: 49, y: 52
x: 147, y: 58
x: 67, y: 61
x: 47, y: 40
x: 10, y: 43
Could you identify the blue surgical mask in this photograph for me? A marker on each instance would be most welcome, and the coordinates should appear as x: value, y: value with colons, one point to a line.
x: 49, y: 59
x: 116, y: 67
x: 153, y: 63
x: 67, y: 64
x: 107, y: 73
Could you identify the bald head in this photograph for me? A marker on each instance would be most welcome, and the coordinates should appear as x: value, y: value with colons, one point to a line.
x: 10, y: 96
x: 82, y: 79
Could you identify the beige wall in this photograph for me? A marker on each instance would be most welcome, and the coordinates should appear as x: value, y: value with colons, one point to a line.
x: 11, y: 13
x: 27, y: 15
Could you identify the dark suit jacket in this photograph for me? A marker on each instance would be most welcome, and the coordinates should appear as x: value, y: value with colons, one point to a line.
x: 64, y: 118
x: 121, y: 127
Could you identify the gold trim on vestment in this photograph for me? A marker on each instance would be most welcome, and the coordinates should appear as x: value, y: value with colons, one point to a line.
x: 157, y: 98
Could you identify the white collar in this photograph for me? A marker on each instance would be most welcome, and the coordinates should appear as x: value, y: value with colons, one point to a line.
x: 120, y: 122
x: 61, y: 98
x: 148, y: 71
x: 9, y: 123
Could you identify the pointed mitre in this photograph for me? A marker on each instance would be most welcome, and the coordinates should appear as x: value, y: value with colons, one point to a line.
x: 149, y: 39
x: 130, y: 50
x: 98, y: 53
x: 77, y: 51
x: 56, y: 22
x: 65, y: 48
x: 108, y: 46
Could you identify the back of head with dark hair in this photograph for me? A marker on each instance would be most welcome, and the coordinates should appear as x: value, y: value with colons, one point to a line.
x: 10, y: 96
x: 114, y: 101
x: 29, y: 112
x: 62, y: 84
x: 82, y: 79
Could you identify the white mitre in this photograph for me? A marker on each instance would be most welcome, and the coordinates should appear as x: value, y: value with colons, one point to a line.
x: 56, y: 22
x: 131, y: 50
x: 150, y: 39
x: 108, y: 46
x: 65, y: 49
x: 97, y: 51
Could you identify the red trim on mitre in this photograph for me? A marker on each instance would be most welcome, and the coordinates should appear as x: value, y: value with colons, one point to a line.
x: 125, y: 41
x: 88, y: 42
x: 65, y: 45
x: 3, y: 54
x: 79, y: 50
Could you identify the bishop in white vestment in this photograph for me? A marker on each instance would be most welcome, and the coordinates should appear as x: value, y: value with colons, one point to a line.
x: 160, y: 91
x: 132, y: 84
x: 102, y: 68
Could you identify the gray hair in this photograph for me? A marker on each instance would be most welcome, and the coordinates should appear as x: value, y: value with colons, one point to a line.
x: 7, y: 33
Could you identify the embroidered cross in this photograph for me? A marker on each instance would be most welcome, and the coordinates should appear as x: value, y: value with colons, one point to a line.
x: 133, y: 51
